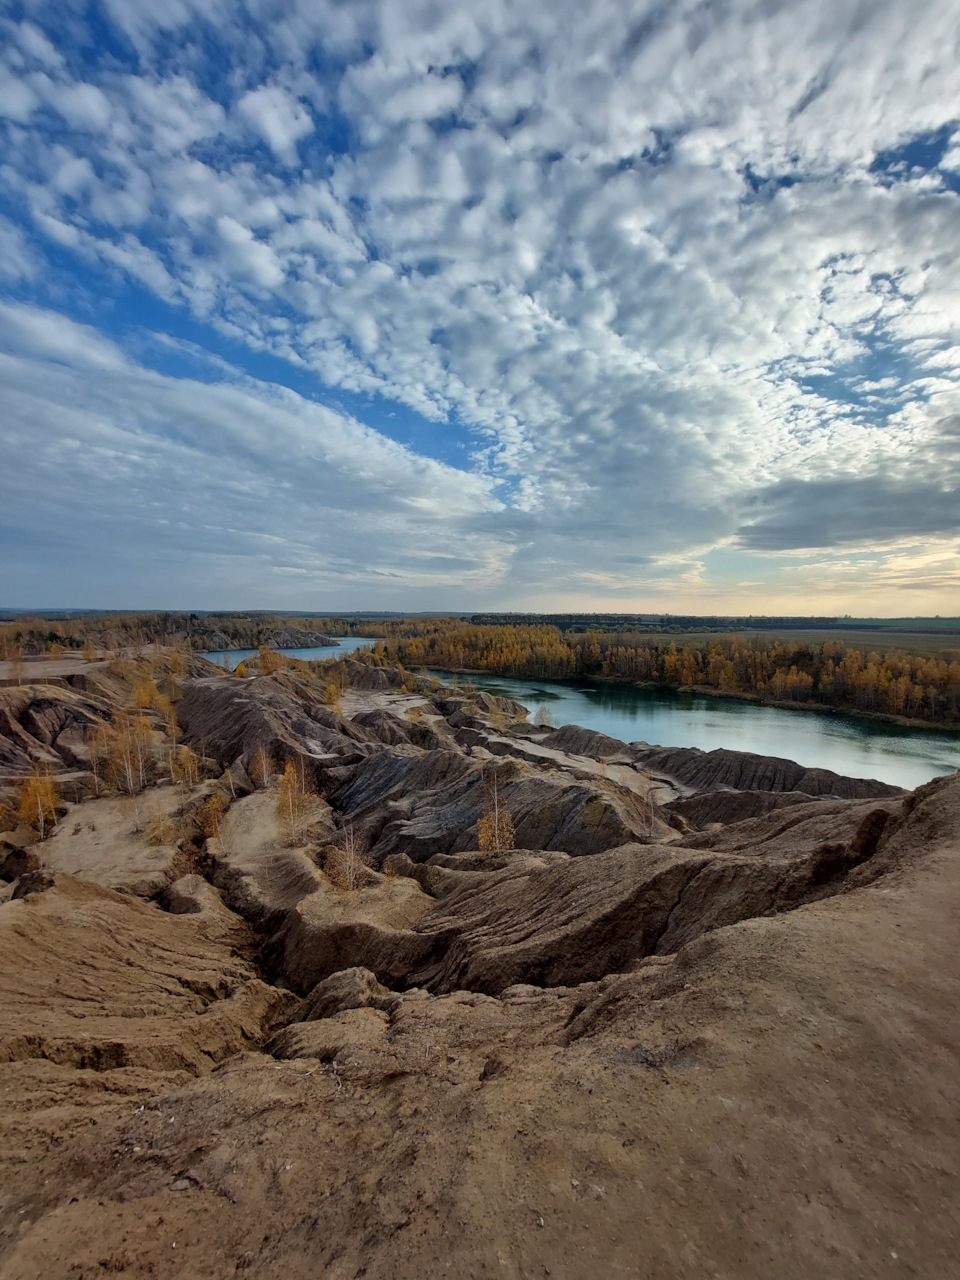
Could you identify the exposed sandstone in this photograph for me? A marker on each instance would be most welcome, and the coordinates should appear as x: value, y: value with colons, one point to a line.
x: 726, y: 806
x: 44, y: 726
x: 696, y: 1022
x: 285, y: 719
x: 99, y: 841
x: 329, y: 930
x: 346, y: 989
x: 258, y: 877
x: 424, y: 805
x: 744, y: 771
x: 193, y: 896
x: 578, y: 920
x: 94, y: 979
x: 585, y: 742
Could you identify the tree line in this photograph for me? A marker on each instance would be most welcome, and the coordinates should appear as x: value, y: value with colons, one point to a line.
x: 132, y: 632
x: 889, y: 682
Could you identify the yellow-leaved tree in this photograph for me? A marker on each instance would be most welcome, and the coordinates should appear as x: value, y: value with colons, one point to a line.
x: 495, y: 828
x: 294, y: 803
x: 37, y: 800
x: 270, y: 661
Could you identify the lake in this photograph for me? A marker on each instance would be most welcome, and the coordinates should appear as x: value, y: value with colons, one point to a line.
x: 231, y: 658
x: 846, y: 744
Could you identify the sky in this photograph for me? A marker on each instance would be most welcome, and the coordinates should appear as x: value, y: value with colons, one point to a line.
x: 413, y: 304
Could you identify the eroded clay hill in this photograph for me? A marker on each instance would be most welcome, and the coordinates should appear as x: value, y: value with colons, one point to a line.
x: 700, y: 1021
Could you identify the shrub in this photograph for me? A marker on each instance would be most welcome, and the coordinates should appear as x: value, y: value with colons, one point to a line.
x: 160, y: 830
x: 346, y: 862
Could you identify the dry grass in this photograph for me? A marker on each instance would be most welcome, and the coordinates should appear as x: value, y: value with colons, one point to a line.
x: 160, y: 830
x: 346, y: 864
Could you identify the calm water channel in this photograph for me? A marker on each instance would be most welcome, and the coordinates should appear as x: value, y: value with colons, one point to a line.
x: 231, y: 658
x: 859, y: 748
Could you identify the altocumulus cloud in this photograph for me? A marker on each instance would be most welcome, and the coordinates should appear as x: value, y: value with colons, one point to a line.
x: 322, y: 304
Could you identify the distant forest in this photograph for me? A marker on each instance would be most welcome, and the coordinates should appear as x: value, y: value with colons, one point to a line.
x: 28, y: 636
x: 885, y: 679
x: 889, y: 681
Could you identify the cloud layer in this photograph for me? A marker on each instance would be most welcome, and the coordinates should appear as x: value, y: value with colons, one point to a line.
x: 686, y: 278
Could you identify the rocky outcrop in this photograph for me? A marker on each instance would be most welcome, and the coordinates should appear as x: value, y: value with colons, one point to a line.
x: 798, y: 830
x: 258, y: 878
x: 732, y: 806
x: 578, y: 741
x: 384, y: 726
x: 466, y: 707
x: 743, y: 771
x: 578, y: 919
x: 372, y: 927
x: 347, y: 989
x: 47, y: 727
x: 283, y: 718
x: 362, y: 675
x: 429, y: 804
x: 103, y: 841
x: 95, y: 980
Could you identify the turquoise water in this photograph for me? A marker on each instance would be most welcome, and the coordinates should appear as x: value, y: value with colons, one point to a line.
x: 846, y: 744
x: 231, y: 658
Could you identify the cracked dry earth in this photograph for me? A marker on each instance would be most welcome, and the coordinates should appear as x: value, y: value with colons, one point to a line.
x: 493, y: 1069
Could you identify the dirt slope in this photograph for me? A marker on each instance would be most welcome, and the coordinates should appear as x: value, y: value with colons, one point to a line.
x: 779, y: 1098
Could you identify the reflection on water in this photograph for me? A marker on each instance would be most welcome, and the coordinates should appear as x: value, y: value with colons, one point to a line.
x: 231, y: 658
x: 846, y: 744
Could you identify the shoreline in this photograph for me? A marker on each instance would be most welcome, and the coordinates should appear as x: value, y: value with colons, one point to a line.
x: 820, y: 708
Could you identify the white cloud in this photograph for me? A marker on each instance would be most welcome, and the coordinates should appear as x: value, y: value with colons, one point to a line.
x: 17, y: 260
x: 279, y: 119
x: 650, y: 266
x: 96, y: 444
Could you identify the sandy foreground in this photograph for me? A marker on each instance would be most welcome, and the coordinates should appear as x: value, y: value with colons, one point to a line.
x: 779, y: 1097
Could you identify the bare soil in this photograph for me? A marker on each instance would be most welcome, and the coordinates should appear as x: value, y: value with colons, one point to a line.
x: 779, y: 1097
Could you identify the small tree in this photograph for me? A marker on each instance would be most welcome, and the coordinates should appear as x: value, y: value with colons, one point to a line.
x: 145, y: 693
x: 269, y: 661
x: 211, y: 815
x: 346, y: 861
x: 495, y: 828
x: 37, y: 800
x: 185, y: 768
x: 128, y: 763
x: 89, y: 652
x: 55, y: 651
x: 294, y: 803
x: 261, y: 768
x: 544, y: 717
x: 99, y: 750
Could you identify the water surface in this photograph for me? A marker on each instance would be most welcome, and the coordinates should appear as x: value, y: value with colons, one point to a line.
x: 231, y: 658
x: 846, y: 744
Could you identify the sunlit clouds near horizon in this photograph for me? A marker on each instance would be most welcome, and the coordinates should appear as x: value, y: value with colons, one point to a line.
x: 316, y: 305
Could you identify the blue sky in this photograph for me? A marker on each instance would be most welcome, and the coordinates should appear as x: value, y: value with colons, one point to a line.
x: 393, y: 304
